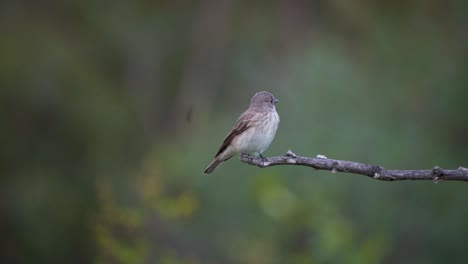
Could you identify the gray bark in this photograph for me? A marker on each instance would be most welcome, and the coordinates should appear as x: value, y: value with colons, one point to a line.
x: 320, y: 162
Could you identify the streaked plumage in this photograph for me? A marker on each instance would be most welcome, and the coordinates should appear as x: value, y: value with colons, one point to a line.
x: 253, y: 132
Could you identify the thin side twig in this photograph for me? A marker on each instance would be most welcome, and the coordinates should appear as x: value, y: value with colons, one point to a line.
x: 320, y: 162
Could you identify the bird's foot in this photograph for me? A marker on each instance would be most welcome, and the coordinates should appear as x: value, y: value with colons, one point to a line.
x: 262, y: 158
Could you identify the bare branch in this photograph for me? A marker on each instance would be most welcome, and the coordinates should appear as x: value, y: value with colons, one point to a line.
x: 320, y: 162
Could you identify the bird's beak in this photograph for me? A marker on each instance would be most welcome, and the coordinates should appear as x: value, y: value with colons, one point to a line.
x: 275, y: 101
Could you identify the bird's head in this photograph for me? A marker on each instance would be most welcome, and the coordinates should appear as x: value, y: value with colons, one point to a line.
x: 264, y: 100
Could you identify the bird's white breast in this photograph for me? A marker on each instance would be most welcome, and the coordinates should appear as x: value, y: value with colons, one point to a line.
x: 259, y: 136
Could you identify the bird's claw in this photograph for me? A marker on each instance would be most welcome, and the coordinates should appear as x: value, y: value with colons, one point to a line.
x: 263, y: 158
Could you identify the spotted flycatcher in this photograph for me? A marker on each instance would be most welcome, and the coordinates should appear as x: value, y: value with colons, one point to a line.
x: 253, y: 131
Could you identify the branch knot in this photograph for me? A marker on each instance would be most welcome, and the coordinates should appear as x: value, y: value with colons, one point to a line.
x: 437, y: 174
x: 291, y: 154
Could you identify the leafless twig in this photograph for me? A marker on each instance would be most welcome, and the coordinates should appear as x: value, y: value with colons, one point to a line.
x: 320, y: 162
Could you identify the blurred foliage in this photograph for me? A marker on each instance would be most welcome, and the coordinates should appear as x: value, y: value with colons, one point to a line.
x: 113, y: 109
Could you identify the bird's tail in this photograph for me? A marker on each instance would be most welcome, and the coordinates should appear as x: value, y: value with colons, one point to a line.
x: 215, y: 163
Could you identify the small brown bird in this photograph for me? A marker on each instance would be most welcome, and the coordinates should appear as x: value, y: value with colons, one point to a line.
x: 253, y: 131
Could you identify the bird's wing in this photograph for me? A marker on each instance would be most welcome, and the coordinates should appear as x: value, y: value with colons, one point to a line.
x: 242, y: 124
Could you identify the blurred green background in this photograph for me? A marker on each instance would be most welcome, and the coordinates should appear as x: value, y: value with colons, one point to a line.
x: 112, y: 109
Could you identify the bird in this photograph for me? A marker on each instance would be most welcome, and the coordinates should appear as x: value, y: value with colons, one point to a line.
x: 253, y: 131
